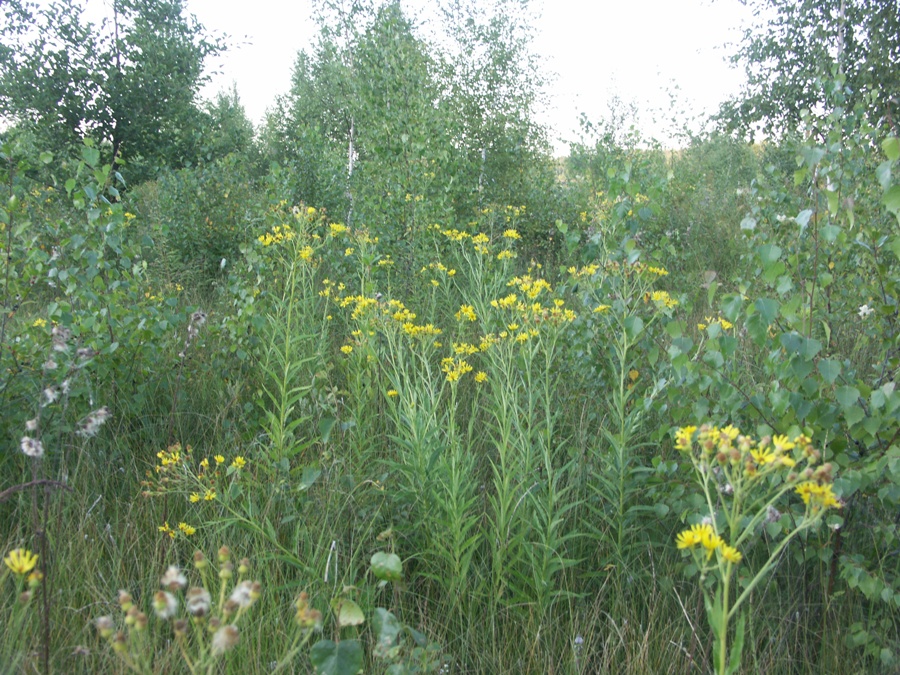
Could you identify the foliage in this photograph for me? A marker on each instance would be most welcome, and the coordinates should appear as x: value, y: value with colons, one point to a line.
x: 130, y: 83
x: 795, y: 44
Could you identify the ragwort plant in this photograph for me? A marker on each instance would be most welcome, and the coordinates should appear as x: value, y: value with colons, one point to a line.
x: 744, y: 482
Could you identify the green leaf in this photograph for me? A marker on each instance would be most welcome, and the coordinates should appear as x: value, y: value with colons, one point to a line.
x: 387, y: 566
x: 891, y: 147
x: 891, y: 199
x: 847, y: 396
x: 350, y: 614
x: 326, y: 424
x: 829, y: 369
x: 767, y: 308
x: 342, y: 658
x: 883, y: 174
x: 803, y: 217
x: 91, y: 156
x: 769, y: 253
x: 737, y: 647
x: 387, y: 628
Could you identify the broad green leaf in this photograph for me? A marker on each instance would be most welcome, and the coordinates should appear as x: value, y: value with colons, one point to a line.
x: 769, y: 253
x: 341, y: 658
x: 847, y: 396
x: 891, y: 147
x: 891, y: 199
x: 803, y: 217
x: 350, y: 614
x: 387, y: 566
x: 91, y: 156
x: 829, y: 369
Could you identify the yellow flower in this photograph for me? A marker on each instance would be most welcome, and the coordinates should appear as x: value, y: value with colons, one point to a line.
x: 347, y: 349
x: 165, y: 529
x: 210, y: 495
x: 219, y: 459
x: 683, y: 437
x: 239, y: 462
x: 392, y: 393
x: 633, y: 375
x: 21, y: 561
x: 466, y: 312
x: 481, y: 377
x: 762, y: 456
x: 817, y: 495
x: 710, y: 540
x: 687, y: 539
x: 511, y: 234
x: 204, y: 463
x: 194, y: 498
x: 39, y: 323
x: 599, y: 309
x: 782, y: 443
x: 187, y: 529
x: 731, y: 554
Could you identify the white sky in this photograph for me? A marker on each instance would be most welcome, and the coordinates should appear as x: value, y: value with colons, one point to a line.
x: 639, y: 50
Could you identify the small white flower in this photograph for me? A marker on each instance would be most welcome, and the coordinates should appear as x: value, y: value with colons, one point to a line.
x: 165, y: 605
x: 89, y: 426
x: 50, y: 395
x: 198, y: 601
x: 173, y: 579
x: 224, y: 639
x: 241, y: 595
x: 864, y: 311
x: 31, y: 425
x: 32, y: 446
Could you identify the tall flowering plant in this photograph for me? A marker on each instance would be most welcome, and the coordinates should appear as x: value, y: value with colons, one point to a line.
x: 744, y: 481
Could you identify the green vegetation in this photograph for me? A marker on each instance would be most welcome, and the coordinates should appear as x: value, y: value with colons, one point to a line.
x: 440, y: 402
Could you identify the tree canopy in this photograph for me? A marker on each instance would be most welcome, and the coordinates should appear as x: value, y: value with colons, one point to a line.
x: 130, y: 82
x: 797, y: 43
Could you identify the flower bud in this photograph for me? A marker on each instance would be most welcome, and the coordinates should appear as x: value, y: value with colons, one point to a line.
x: 125, y: 600
x: 199, y: 560
x: 105, y: 626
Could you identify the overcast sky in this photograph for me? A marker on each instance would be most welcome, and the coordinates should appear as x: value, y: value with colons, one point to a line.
x: 640, y: 50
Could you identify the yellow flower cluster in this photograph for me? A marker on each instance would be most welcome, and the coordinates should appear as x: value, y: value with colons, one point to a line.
x: 529, y: 286
x: 511, y: 234
x: 711, y: 321
x: 466, y: 312
x: 184, y: 528
x: 662, y: 298
x: 817, y: 495
x: 743, y: 459
x: 421, y: 331
x: 336, y: 229
x: 279, y: 234
x: 455, y: 368
x: 704, y: 536
x: 586, y: 271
